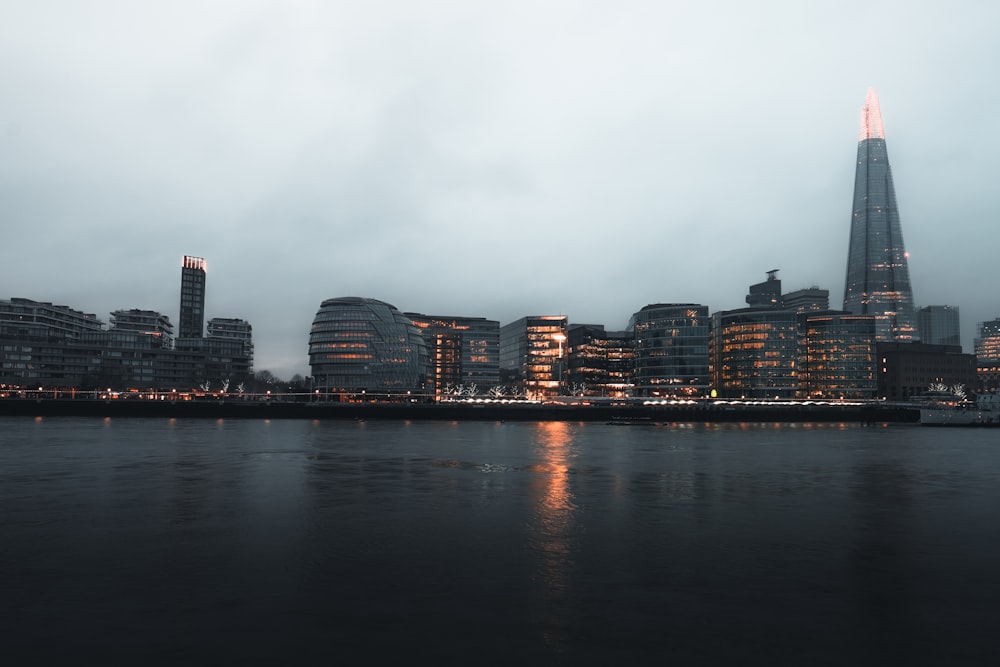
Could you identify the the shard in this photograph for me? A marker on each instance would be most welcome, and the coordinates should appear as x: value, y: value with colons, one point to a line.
x: 878, y: 277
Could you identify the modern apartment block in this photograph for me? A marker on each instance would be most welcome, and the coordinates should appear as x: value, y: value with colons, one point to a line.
x: 57, y: 346
x: 192, y: 312
x: 146, y: 322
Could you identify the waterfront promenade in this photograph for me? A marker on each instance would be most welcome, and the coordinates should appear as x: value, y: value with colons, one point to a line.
x: 625, y: 413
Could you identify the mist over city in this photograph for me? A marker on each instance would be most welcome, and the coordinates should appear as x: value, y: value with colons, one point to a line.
x: 579, y: 159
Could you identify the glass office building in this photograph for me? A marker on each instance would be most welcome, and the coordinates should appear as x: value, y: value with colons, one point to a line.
x: 463, y: 351
x: 878, y: 275
x: 939, y: 325
x: 599, y: 362
x: 671, y: 349
x: 837, y: 355
x: 754, y: 353
x: 363, y: 344
x: 532, y: 354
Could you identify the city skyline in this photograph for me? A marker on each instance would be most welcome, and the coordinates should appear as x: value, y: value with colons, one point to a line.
x: 482, y: 163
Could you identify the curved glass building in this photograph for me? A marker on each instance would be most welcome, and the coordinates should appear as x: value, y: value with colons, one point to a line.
x: 357, y: 343
x: 671, y: 349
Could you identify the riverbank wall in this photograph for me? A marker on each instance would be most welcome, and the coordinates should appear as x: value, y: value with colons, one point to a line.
x: 625, y: 414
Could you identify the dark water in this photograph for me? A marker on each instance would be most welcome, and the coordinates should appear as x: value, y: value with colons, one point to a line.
x: 253, y: 542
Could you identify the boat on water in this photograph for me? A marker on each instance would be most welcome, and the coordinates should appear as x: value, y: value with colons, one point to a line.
x: 983, y: 410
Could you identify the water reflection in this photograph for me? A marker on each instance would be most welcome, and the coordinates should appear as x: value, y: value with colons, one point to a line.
x: 551, y: 532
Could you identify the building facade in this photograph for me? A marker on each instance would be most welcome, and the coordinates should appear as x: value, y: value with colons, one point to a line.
x: 463, y: 352
x: 358, y: 344
x: 42, y: 344
x: 532, y: 354
x: 191, y: 323
x: 878, y: 274
x: 987, y: 350
x: 671, y: 349
x: 811, y: 299
x: 754, y: 353
x: 939, y: 325
x: 909, y: 369
x: 837, y: 355
x: 599, y: 362
x: 146, y: 322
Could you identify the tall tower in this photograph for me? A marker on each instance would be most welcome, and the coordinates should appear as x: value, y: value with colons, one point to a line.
x: 878, y: 278
x: 192, y: 316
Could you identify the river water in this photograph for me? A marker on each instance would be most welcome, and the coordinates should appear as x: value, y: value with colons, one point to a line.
x: 138, y: 541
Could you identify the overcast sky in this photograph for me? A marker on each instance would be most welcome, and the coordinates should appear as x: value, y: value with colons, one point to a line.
x: 485, y: 159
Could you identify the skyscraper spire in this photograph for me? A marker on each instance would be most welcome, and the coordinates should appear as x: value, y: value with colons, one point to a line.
x: 878, y: 275
x: 871, y: 118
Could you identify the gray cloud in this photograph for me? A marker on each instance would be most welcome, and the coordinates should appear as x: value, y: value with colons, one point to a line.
x: 495, y: 160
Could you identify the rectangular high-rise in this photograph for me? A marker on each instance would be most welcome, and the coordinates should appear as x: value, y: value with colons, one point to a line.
x: 878, y: 277
x: 191, y: 323
x: 939, y: 325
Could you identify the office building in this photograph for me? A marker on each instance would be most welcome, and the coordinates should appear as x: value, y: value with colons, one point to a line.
x: 671, y: 349
x: 766, y: 294
x: 811, y: 299
x: 463, y: 352
x: 909, y: 369
x: 938, y: 325
x: 532, y: 354
x: 878, y: 275
x: 599, y: 362
x: 836, y: 355
x: 358, y: 344
x: 191, y: 323
x: 987, y: 350
x: 753, y: 353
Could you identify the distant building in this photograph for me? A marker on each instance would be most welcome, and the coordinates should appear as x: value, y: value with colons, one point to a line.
x: 57, y: 346
x: 192, y: 313
x: 42, y: 344
x: 599, y: 362
x: 878, y: 275
x: 812, y: 299
x: 359, y: 344
x: 766, y: 294
x: 671, y: 349
x: 233, y: 330
x: 908, y: 369
x: 532, y: 353
x: 461, y: 351
x: 939, y: 325
x: 837, y: 357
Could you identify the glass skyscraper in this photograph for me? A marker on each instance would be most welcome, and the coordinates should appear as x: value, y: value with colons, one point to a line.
x: 878, y: 278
